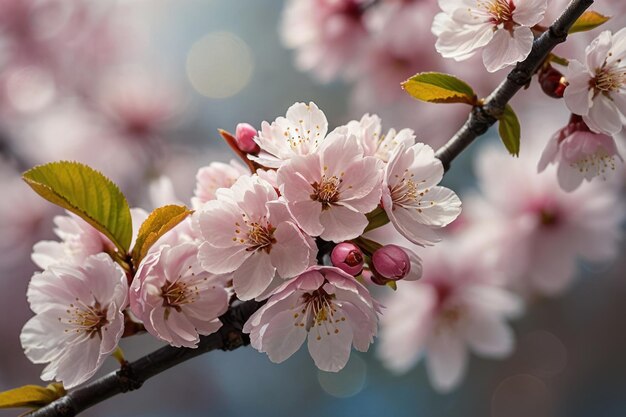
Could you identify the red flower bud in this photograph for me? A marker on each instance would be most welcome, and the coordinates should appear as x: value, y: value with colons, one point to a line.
x: 347, y: 257
x: 552, y: 82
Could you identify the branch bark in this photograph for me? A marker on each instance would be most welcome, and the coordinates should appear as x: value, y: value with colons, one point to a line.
x: 132, y: 375
x: 483, y: 117
x: 230, y: 336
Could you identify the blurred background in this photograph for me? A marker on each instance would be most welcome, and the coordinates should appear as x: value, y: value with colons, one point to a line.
x: 138, y: 89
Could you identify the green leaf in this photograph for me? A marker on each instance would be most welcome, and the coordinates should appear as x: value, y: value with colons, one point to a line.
x: 33, y: 396
x: 435, y: 87
x: 160, y: 221
x: 87, y: 193
x: 510, y: 130
x: 558, y: 60
x: 376, y: 218
x: 588, y: 21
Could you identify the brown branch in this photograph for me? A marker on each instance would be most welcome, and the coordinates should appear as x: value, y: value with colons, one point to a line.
x: 483, y: 117
x: 131, y: 376
x: 230, y: 336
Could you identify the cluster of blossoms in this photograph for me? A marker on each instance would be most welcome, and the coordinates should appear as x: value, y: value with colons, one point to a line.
x: 506, y: 248
x: 291, y: 233
x: 595, y: 93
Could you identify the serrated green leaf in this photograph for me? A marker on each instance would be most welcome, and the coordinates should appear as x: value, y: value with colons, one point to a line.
x: 87, y: 193
x: 588, y: 21
x: 32, y: 396
x: 159, y: 222
x: 510, y: 130
x: 435, y: 87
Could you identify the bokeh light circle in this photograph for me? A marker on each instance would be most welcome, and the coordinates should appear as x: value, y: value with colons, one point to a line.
x: 219, y: 65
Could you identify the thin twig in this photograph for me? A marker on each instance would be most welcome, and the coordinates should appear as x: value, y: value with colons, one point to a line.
x: 230, y: 336
x: 483, y: 117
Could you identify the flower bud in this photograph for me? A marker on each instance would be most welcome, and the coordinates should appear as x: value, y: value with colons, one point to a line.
x: 552, y: 82
x: 390, y: 262
x: 244, y: 135
x: 347, y: 257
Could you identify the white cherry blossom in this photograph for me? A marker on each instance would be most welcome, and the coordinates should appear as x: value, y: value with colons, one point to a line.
x: 78, y: 320
x: 597, y: 88
x: 301, y: 132
x: 501, y: 27
x: 414, y: 202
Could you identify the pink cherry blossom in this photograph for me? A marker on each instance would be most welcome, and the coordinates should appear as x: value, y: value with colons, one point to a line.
x: 248, y: 231
x: 501, y: 27
x: 539, y: 232
x: 579, y: 154
x: 78, y: 320
x: 79, y: 240
x: 454, y: 308
x: 414, y: 202
x: 325, y: 306
x: 329, y: 192
x: 175, y: 298
x: 597, y: 89
x: 328, y: 35
x: 301, y: 132
x: 216, y: 175
x: 367, y: 132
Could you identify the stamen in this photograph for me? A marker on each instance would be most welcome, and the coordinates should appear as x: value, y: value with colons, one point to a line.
x: 327, y: 191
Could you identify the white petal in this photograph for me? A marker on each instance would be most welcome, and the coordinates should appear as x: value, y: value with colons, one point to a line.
x: 330, y: 350
x: 446, y: 360
x: 341, y: 223
x: 506, y: 49
x: 282, y: 336
x: 253, y: 276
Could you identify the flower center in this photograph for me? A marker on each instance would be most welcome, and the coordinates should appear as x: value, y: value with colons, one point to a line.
x: 261, y: 237
x: 608, y: 79
x: 501, y: 11
x: 326, y: 191
x: 405, y: 192
x: 319, y: 313
x: 595, y: 164
x: 87, y: 319
x: 177, y: 294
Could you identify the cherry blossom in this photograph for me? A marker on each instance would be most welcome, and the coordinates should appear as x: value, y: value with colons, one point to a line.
x: 367, y: 131
x: 539, y: 232
x: 454, y: 308
x: 175, y: 298
x: 79, y: 240
x: 328, y: 35
x: 580, y: 154
x: 248, y: 231
x: 597, y: 89
x: 414, y: 202
x: 325, y: 306
x: 78, y: 320
x: 301, y: 132
x: 501, y: 27
x: 216, y: 175
x: 329, y: 192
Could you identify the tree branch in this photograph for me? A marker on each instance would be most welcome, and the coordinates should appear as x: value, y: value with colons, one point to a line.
x: 483, y: 117
x: 131, y: 376
x: 230, y: 336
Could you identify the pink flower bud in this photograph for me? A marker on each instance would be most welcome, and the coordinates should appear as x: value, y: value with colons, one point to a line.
x: 244, y: 135
x: 347, y: 257
x: 390, y: 262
